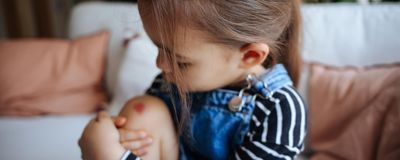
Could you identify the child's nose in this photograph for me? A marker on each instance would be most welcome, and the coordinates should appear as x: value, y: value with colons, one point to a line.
x: 162, y: 63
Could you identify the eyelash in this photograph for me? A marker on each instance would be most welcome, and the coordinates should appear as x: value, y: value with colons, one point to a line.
x: 183, y: 65
x: 180, y: 65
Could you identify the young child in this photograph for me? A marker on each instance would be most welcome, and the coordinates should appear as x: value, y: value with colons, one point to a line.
x: 226, y: 90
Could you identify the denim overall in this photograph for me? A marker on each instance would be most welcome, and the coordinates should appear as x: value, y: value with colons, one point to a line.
x: 214, y: 130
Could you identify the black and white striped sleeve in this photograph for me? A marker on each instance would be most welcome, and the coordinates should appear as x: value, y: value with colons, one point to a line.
x: 277, y: 129
x: 128, y: 155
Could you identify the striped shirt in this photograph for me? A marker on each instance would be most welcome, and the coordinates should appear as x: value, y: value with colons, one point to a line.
x: 277, y: 129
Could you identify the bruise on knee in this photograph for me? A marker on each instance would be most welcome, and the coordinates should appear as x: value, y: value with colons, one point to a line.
x: 134, y: 107
x: 138, y: 107
x: 144, y: 104
x: 145, y: 110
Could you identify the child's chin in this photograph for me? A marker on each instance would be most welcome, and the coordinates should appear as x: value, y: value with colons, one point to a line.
x: 200, y: 89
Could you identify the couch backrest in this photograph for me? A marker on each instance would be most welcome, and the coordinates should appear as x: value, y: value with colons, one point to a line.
x: 123, y: 21
x: 336, y: 34
x: 352, y: 34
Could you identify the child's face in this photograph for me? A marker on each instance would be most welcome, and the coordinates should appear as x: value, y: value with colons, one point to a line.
x: 208, y: 65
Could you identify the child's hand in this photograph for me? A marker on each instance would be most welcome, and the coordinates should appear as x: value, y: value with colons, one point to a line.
x: 135, y: 141
x: 100, y: 139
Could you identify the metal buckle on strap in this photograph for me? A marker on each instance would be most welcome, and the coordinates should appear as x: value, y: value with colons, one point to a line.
x: 236, y: 103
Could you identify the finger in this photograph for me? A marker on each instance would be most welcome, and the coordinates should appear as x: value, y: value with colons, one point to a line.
x: 102, y: 115
x: 132, y: 145
x: 127, y: 135
x: 137, y: 145
x: 119, y: 121
x: 140, y: 152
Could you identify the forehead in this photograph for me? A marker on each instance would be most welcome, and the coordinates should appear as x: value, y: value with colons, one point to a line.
x: 182, y: 36
x: 187, y: 39
x: 168, y: 23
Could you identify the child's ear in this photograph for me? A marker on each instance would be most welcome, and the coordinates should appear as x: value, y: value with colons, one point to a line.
x: 253, y: 54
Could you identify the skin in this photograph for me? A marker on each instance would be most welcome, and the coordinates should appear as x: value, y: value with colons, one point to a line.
x: 100, y: 139
x: 200, y: 56
x: 151, y: 115
x: 149, y: 132
x: 232, y: 67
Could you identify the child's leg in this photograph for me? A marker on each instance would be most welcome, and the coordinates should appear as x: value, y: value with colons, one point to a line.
x: 151, y: 115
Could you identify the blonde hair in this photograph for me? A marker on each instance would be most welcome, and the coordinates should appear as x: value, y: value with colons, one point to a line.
x: 234, y: 23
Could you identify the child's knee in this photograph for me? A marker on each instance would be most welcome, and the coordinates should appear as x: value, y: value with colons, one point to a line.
x: 145, y: 112
x: 151, y: 115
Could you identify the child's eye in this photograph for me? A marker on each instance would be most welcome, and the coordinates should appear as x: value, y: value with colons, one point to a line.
x: 183, y: 65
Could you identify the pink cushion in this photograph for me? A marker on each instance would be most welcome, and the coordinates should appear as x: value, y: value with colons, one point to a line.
x: 355, y: 112
x: 52, y: 76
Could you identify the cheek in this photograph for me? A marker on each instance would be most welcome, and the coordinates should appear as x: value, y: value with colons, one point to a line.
x: 197, y: 77
x: 207, y: 77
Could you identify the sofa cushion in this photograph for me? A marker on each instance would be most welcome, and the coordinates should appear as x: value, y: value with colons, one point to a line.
x: 355, y: 112
x: 52, y: 76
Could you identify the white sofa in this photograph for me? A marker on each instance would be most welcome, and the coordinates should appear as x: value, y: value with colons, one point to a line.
x: 336, y: 34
